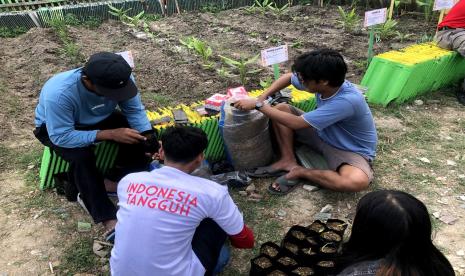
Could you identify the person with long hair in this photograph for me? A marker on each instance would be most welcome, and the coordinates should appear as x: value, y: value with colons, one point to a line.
x: 391, y: 235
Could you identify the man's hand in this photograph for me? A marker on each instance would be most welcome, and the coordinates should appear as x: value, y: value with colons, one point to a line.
x: 245, y: 104
x: 127, y: 136
x: 120, y: 135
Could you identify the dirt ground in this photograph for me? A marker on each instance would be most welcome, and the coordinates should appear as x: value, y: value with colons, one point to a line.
x: 38, y: 229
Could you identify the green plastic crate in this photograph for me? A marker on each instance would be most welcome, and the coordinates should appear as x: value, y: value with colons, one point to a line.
x: 390, y: 81
x: 52, y: 164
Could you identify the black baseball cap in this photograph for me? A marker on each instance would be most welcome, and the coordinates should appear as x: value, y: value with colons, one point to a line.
x: 111, y: 75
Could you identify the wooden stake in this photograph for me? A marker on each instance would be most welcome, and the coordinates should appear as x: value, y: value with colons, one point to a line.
x: 441, y: 16
x: 391, y: 9
x: 177, y: 6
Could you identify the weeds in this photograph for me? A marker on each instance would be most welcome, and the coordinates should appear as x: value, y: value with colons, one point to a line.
x: 401, y: 37
x: 254, y: 34
x: 242, y: 66
x: 348, y: 20
x: 70, y: 49
x: 267, y: 5
x: 297, y: 44
x: 223, y: 72
x: 425, y: 38
x: 361, y: 65
x: 275, y: 40
x: 211, y: 8
x: 386, y: 30
x: 12, y: 32
x: 152, y: 17
x: 90, y: 22
x: 78, y: 257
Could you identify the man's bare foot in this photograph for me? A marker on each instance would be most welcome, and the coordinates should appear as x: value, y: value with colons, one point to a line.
x: 110, y: 186
x: 109, y: 224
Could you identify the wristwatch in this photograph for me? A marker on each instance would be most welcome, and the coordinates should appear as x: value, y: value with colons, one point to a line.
x: 258, y: 105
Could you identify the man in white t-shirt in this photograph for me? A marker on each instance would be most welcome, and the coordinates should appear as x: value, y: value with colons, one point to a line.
x: 173, y: 223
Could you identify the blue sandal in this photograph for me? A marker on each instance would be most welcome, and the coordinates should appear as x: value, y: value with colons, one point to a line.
x: 110, y: 236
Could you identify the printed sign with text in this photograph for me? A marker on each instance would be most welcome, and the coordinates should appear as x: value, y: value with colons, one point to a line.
x: 443, y: 4
x: 128, y: 57
x: 375, y: 17
x: 275, y: 55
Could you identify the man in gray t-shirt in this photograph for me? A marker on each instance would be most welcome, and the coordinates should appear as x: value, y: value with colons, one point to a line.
x: 341, y: 128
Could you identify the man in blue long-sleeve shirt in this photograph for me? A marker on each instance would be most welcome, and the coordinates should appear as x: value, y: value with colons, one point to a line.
x: 77, y: 108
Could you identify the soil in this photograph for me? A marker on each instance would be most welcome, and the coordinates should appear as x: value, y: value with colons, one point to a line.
x: 303, y: 271
x: 299, y: 235
x: 269, y: 251
x: 34, y: 237
x: 263, y: 262
x: 331, y: 236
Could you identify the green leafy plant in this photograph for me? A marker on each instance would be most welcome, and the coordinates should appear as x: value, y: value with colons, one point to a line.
x: 401, y: 36
x: 266, y: 82
x: 254, y: 34
x: 278, y: 10
x: 223, y: 72
x: 152, y: 17
x: 12, y: 32
x: 386, y: 30
x: 120, y: 13
x: 297, y: 44
x: 361, y: 65
x: 211, y: 8
x: 188, y: 42
x: 267, y: 5
x: 72, y: 20
x: 202, y: 48
x: 135, y: 21
x: 275, y: 40
x: 348, y: 20
x: 90, y: 22
x: 426, y: 38
x: 427, y: 8
x: 199, y: 46
x: 242, y: 66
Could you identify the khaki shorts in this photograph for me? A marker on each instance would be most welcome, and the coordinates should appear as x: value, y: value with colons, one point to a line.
x: 333, y: 156
x: 452, y: 39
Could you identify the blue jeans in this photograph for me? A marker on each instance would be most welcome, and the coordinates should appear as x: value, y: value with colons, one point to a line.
x: 223, y: 259
x: 208, y: 245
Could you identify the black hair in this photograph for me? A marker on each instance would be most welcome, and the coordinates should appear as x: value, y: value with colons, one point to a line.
x: 183, y: 144
x: 395, y: 227
x: 323, y: 64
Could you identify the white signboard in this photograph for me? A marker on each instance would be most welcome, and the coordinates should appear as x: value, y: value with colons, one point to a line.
x: 375, y: 17
x: 275, y: 55
x: 128, y: 57
x: 443, y: 4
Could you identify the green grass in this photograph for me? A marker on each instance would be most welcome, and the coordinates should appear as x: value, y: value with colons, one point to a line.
x: 11, y: 103
x: 157, y: 99
x: 79, y: 257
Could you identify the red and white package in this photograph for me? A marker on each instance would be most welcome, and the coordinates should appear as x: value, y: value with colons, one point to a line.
x: 215, y: 101
x: 238, y: 93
